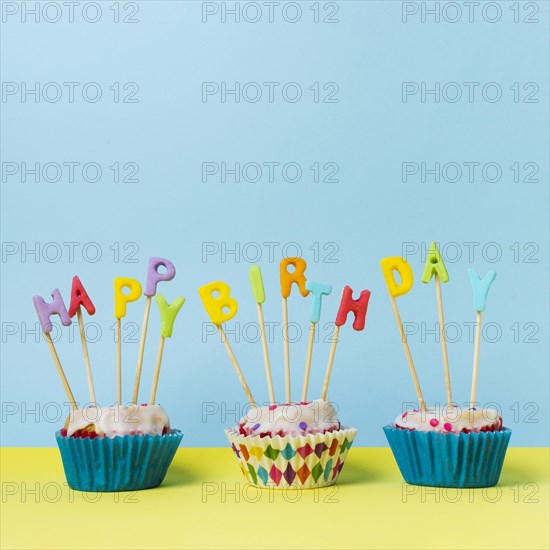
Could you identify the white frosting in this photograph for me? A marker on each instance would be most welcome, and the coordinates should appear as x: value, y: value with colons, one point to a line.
x: 440, y: 419
x: 295, y: 419
x: 119, y: 420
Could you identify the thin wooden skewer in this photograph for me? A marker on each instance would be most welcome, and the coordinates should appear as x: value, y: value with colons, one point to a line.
x: 118, y: 361
x: 408, y: 354
x: 286, y: 350
x: 266, y: 353
x: 330, y: 361
x: 86, y: 355
x: 308, y: 360
x: 141, y: 348
x: 443, y: 340
x: 60, y: 371
x: 157, y: 371
x: 476, y: 360
x: 236, y: 366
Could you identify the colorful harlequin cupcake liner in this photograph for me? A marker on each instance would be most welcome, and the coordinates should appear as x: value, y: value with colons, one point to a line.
x: 128, y: 463
x: 449, y: 460
x: 302, y: 462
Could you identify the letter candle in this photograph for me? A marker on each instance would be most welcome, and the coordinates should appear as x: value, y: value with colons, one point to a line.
x: 168, y: 314
x: 257, y: 284
x: 45, y: 311
x: 318, y: 290
x: 359, y: 309
x: 389, y: 265
x: 287, y: 280
x: 121, y: 300
x: 79, y: 297
x: 435, y: 267
x: 215, y: 307
x: 153, y: 278
x: 480, y: 289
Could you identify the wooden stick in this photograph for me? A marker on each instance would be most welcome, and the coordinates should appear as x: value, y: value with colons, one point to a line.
x: 286, y: 350
x: 236, y: 366
x: 443, y: 340
x: 141, y: 347
x: 476, y: 360
x: 157, y: 371
x: 86, y: 356
x: 308, y: 360
x: 266, y: 354
x: 118, y: 361
x: 408, y: 354
x: 330, y: 361
x: 60, y: 371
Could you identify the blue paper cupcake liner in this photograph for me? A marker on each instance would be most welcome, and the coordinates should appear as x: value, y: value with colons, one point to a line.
x: 128, y: 463
x: 449, y: 460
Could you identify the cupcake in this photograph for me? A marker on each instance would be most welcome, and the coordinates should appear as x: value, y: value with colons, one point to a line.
x: 449, y: 447
x: 118, y: 448
x: 300, y: 445
x: 445, y: 446
x: 122, y: 447
x: 294, y: 445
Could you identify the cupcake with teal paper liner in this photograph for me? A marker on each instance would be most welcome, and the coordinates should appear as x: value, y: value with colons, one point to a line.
x: 126, y: 446
x: 298, y: 444
x: 445, y: 446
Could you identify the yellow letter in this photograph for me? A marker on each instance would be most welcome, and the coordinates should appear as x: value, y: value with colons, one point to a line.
x: 215, y: 305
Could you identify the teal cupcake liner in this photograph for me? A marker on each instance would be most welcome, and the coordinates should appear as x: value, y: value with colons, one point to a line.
x: 449, y: 460
x: 128, y: 463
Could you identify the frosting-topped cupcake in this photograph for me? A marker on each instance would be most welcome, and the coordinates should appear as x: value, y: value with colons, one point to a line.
x: 444, y: 446
x: 296, y: 444
x: 121, y: 447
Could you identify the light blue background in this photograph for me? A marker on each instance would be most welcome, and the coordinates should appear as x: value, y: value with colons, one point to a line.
x: 370, y: 213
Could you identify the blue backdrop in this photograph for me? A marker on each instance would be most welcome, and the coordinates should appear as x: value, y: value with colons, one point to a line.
x: 341, y: 131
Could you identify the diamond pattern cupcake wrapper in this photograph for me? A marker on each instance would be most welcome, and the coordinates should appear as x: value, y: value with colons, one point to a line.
x: 449, y: 460
x: 128, y: 463
x: 292, y: 461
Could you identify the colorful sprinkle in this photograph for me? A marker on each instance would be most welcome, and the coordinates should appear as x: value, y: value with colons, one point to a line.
x: 255, y: 427
x: 302, y: 425
x: 448, y: 427
x: 434, y: 422
x: 404, y: 414
x: 272, y: 407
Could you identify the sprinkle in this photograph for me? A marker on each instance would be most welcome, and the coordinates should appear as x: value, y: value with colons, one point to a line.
x: 272, y: 407
x: 255, y: 427
x: 448, y: 427
x: 304, y: 402
x: 302, y: 425
x: 404, y: 414
x: 434, y: 422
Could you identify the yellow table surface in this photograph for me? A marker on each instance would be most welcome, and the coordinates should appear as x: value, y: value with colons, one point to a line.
x: 205, y: 502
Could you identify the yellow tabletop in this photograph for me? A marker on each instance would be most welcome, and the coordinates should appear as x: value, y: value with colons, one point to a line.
x: 205, y: 502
